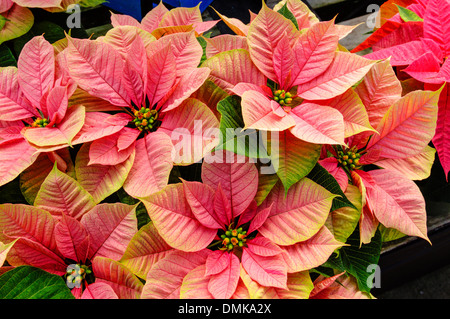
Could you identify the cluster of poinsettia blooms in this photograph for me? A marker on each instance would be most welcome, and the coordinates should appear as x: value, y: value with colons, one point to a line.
x: 416, y: 40
x: 121, y: 99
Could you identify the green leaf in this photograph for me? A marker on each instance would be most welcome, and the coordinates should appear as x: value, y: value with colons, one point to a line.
x: 293, y: 158
x: 389, y: 234
x: 357, y: 260
x: 321, y: 176
x: 233, y: 138
x: 91, y: 3
x: 408, y: 15
x: 324, y: 271
x: 32, y: 178
x: 285, y: 12
x: 10, y: 193
x: 343, y: 221
x: 203, y: 43
x: 265, y: 184
x: 142, y: 215
x: 51, y: 32
x: 26, y: 282
x: 2, y: 21
x: 7, y: 58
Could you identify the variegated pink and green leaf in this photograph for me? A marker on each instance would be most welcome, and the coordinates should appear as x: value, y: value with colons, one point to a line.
x: 418, y: 49
x: 312, y: 252
x: 292, y: 158
x: 238, y: 180
x: 17, y: 155
x: 99, y: 290
x: 340, y: 286
x: 417, y: 109
x: 161, y: 21
x: 32, y: 178
x: 299, y: 287
x: 294, y: 217
x: 61, y: 194
x: 144, y: 250
x: 343, y: 221
x: 165, y: 279
x: 100, y: 180
x: 110, y: 237
x: 175, y: 221
x: 397, y: 203
x: 4, y: 250
x: 123, y: 282
x: 15, y: 21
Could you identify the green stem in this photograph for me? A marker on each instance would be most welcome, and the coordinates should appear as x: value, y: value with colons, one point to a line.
x: 214, y: 244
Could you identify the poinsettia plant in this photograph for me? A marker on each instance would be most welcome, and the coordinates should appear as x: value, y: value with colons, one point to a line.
x: 401, y: 160
x: 148, y: 86
x: 288, y: 73
x: 234, y: 239
x: 160, y: 21
x: 71, y: 236
x: 414, y: 34
x: 34, y: 109
x: 156, y: 161
x: 36, y: 117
